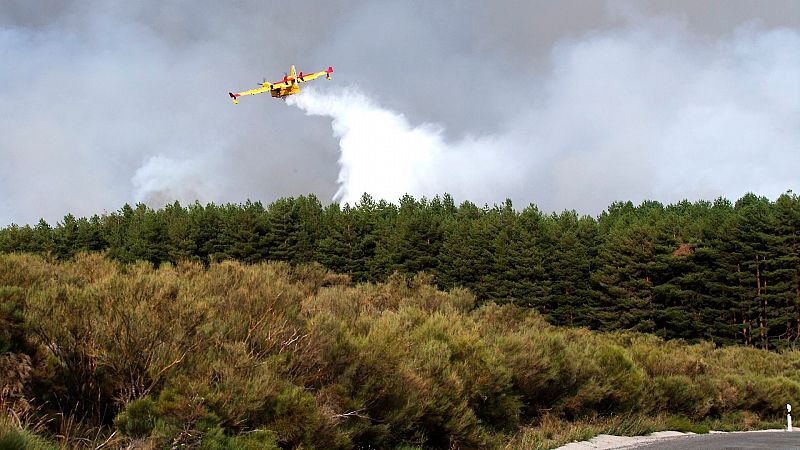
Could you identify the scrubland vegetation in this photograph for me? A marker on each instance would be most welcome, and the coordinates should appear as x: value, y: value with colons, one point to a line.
x: 101, y: 354
x: 724, y: 272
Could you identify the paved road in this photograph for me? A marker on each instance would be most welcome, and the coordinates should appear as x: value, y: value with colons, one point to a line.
x: 773, y: 440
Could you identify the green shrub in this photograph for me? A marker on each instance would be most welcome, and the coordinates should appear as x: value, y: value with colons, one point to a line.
x: 607, y: 380
x: 26, y: 270
x: 256, y: 440
x: 765, y: 395
x: 12, y: 319
x: 539, y: 368
x: 679, y: 423
x: 12, y: 438
x: 178, y: 406
x: 295, y: 416
x: 679, y: 394
x: 138, y: 418
x: 734, y: 421
x: 214, y: 438
x: 635, y: 424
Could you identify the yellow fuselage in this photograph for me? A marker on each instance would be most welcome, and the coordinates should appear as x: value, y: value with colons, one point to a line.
x: 281, y: 92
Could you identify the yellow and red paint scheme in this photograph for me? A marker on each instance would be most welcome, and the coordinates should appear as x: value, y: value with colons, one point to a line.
x: 288, y: 86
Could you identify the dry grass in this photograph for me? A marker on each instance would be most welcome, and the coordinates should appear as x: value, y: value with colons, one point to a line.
x: 551, y: 432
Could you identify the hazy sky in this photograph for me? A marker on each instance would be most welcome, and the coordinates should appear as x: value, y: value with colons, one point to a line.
x: 564, y: 104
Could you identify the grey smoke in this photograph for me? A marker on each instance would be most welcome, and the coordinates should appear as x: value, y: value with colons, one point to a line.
x: 583, y: 102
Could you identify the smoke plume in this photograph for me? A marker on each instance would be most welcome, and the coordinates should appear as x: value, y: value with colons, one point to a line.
x: 568, y: 104
x: 630, y: 114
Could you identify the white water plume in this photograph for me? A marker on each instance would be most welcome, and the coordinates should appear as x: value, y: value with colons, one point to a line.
x: 383, y: 154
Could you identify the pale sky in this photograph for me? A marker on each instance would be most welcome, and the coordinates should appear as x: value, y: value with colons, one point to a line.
x: 564, y: 104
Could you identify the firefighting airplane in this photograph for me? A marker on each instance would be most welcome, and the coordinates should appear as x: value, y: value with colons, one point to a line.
x: 288, y: 86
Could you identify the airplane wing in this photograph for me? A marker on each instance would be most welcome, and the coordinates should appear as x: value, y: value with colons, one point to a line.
x: 312, y: 76
x: 256, y: 90
x: 235, y: 96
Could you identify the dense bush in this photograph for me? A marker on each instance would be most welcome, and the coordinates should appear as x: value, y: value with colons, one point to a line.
x: 274, y: 356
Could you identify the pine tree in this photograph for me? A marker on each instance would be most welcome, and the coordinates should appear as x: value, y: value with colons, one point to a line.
x: 465, y: 258
x: 752, y: 236
x: 517, y: 258
x: 181, y: 246
x: 147, y: 238
x: 206, y: 228
x: 624, y: 279
x: 244, y: 234
x: 570, y: 252
x: 412, y: 245
x: 293, y: 226
x: 783, y: 273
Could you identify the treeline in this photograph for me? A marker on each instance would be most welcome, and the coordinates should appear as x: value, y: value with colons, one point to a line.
x: 98, y: 354
x: 718, y: 271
